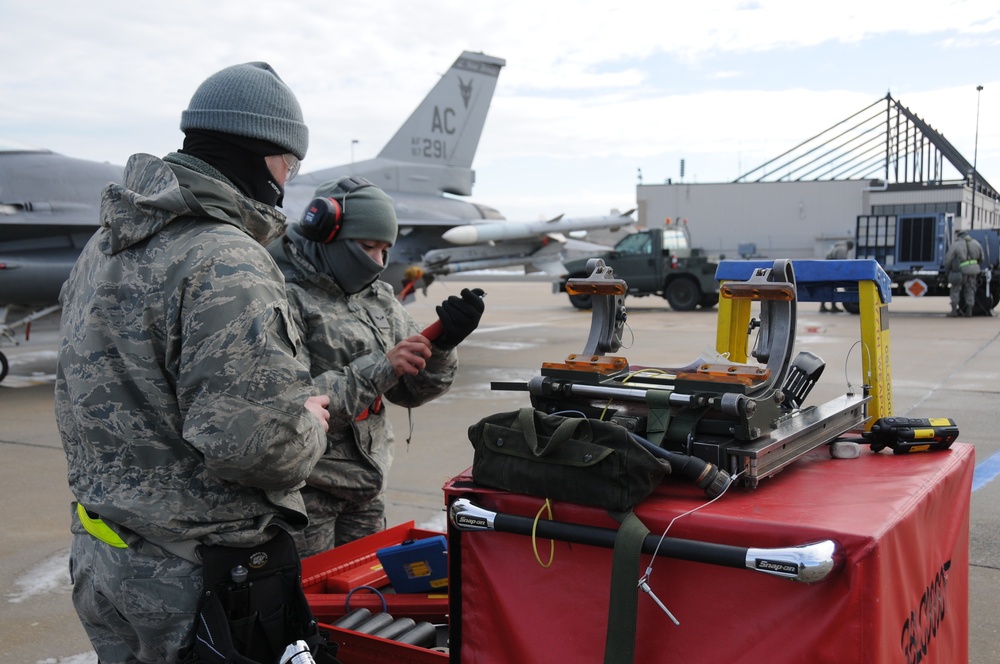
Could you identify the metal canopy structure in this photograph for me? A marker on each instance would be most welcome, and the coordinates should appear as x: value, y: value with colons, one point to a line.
x: 893, y: 145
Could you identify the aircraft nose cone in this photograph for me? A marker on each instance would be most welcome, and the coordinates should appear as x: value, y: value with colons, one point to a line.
x: 461, y: 235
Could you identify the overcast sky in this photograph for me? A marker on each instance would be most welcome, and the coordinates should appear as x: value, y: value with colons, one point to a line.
x: 591, y: 92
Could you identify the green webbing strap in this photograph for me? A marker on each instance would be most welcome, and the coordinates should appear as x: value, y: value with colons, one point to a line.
x: 684, y: 424
x: 658, y: 418
x: 623, y: 608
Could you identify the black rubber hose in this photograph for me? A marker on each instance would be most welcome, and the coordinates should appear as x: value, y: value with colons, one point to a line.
x: 709, y: 477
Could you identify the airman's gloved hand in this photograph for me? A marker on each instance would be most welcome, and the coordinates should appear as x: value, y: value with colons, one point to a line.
x: 459, y: 317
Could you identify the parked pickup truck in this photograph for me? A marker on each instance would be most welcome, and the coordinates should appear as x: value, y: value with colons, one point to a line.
x: 657, y: 261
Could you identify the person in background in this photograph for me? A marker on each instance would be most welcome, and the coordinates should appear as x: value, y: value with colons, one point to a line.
x: 186, y: 418
x: 840, y: 251
x: 364, y: 348
x: 965, y: 260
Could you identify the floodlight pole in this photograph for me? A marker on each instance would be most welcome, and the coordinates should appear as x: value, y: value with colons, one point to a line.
x: 975, y: 158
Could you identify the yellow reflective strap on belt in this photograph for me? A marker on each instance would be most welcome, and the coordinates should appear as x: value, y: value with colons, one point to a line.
x: 99, y: 529
x: 968, y: 262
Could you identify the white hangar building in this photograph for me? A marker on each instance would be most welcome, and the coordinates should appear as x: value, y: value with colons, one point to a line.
x: 883, y: 160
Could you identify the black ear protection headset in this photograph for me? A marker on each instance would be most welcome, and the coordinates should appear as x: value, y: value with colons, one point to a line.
x: 324, y: 216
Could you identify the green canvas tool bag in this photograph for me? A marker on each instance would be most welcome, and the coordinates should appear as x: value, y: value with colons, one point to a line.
x: 574, y: 459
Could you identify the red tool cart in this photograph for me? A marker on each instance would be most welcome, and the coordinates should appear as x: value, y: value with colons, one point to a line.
x: 897, y: 592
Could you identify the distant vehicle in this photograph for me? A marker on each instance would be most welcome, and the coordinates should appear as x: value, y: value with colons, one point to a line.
x: 656, y: 261
x: 911, y: 249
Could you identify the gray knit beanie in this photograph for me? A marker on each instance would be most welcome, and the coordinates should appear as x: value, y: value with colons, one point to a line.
x: 249, y: 100
x: 369, y: 213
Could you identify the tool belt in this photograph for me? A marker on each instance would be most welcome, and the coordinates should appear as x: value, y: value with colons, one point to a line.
x: 253, y: 606
x: 970, y: 266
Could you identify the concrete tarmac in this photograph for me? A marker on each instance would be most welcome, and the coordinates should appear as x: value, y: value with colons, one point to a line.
x: 941, y: 367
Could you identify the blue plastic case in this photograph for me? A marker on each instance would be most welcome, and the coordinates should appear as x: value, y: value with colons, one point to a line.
x: 417, y: 566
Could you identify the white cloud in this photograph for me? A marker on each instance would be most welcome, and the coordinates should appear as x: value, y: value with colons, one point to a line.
x: 720, y: 83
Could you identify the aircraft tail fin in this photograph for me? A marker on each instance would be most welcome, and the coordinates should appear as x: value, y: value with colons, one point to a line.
x: 439, y: 140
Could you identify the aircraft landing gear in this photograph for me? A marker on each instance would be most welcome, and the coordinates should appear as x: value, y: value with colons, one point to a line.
x: 7, y: 330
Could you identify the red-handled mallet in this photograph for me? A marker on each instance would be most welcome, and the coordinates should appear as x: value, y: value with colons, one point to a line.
x: 435, y: 329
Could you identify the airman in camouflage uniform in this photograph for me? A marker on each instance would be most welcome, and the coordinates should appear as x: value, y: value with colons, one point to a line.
x: 363, y: 347
x: 964, y: 261
x: 185, y: 415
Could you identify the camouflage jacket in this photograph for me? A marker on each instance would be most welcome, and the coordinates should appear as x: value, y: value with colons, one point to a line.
x: 179, y: 396
x: 346, y: 338
x: 963, y: 249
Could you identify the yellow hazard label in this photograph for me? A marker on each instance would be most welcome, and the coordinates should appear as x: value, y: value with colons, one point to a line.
x: 919, y: 448
x: 923, y: 433
x: 417, y: 569
x: 940, y: 422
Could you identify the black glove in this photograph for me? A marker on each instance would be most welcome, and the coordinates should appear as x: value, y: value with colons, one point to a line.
x: 459, y: 317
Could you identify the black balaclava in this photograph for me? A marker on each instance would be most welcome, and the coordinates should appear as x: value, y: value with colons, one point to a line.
x: 342, y: 260
x: 240, y: 159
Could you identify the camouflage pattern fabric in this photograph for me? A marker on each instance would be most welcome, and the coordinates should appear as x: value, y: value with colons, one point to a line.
x: 135, y: 604
x: 179, y: 396
x: 335, y: 521
x: 346, y: 339
x: 963, y: 286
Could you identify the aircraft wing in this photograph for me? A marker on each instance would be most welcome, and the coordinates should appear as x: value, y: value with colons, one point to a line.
x: 49, y: 208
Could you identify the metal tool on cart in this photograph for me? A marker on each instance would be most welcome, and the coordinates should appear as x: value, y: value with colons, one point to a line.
x: 807, y: 563
x: 747, y: 418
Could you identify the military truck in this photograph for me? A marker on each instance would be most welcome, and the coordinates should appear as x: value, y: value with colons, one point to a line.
x: 911, y: 249
x: 656, y: 261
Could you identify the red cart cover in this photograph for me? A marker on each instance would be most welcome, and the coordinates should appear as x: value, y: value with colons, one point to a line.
x: 899, y: 592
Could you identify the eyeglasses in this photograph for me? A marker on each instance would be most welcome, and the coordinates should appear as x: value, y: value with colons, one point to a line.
x: 293, y: 163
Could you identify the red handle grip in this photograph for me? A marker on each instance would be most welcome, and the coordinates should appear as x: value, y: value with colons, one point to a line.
x: 434, y: 330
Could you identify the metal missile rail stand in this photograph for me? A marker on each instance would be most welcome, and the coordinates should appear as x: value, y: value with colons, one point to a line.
x: 856, y: 281
x: 745, y: 418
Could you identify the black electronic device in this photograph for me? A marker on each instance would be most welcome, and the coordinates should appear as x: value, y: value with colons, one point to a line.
x: 904, y: 435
